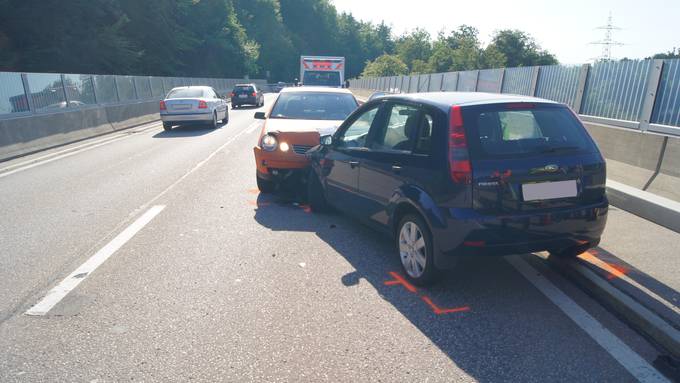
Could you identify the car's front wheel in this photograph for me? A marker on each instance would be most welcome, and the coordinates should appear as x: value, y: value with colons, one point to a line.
x: 265, y: 186
x: 167, y: 127
x: 315, y: 194
x: 416, y: 251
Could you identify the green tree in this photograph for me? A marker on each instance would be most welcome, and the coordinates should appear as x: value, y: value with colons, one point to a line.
x: 671, y: 54
x: 65, y: 36
x: 412, y: 46
x: 492, y: 58
x: 223, y: 48
x: 263, y: 23
x: 385, y: 65
x: 520, y: 49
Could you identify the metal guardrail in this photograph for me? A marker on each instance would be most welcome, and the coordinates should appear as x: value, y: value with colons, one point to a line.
x: 642, y: 95
x: 24, y: 94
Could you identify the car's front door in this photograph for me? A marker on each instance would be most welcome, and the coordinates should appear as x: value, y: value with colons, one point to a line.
x: 398, y: 153
x: 344, y: 159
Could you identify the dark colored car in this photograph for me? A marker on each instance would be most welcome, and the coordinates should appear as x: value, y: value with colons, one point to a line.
x: 246, y: 94
x: 456, y: 174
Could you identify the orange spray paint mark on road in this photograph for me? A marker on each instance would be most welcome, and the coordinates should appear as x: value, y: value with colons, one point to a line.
x: 399, y: 280
x: 613, y: 271
x: 439, y: 311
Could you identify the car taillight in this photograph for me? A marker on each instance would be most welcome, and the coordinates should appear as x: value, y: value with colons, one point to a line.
x: 254, y: 94
x: 202, y: 104
x: 163, y: 105
x: 232, y: 94
x: 459, y: 158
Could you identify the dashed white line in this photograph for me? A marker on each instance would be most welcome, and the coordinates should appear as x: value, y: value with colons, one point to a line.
x: 60, y: 291
x: 631, y: 361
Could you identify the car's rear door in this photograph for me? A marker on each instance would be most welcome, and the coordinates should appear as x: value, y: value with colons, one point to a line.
x: 531, y: 157
x: 399, y: 156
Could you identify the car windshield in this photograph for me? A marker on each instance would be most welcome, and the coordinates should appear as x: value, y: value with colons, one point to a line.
x: 186, y: 93
x: 314, y: 106
x: 511, y: 129
x: 321, y: 78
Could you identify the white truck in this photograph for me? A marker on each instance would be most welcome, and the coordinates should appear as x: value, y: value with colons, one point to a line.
x: 322, y: 71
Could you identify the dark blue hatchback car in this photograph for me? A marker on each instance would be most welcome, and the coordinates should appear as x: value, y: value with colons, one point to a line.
x: 456, y: 174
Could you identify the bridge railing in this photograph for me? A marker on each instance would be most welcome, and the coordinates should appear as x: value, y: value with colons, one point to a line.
x: 642, y: 95
x: 24, y: 94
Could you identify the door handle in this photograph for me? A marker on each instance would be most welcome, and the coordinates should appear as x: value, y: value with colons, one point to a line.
x: 396, y: 169
x: 353, y: 164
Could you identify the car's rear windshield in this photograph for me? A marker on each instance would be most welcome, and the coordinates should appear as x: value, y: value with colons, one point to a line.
x: 512, y: 130
x: 186, y: 93
x: 322, y: 78
x: 244, y: 88
x: 314, y: 106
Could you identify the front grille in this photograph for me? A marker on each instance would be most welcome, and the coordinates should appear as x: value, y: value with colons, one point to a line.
x: 301, y: 149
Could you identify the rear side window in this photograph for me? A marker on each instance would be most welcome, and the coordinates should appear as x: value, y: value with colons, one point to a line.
x: 396, y: 134
x: 186, y: 93
x: 511, y: 130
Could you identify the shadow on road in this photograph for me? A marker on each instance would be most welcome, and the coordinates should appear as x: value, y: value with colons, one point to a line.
x: 186, y: 131
x: 497, y: 327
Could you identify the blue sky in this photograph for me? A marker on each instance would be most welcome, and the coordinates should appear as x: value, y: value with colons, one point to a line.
x: 565, y: 28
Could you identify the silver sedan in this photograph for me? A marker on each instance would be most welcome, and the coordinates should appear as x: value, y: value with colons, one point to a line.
x: 189, y: 105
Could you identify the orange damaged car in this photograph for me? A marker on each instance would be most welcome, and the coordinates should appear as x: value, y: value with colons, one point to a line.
x: 299, y: 116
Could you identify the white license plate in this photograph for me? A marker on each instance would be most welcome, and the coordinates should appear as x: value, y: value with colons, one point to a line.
x: 242, y: 96
x: 549, y: 190
x: 181, y: 106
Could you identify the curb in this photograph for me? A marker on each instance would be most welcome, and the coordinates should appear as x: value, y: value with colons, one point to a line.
x: 640, y: 317
x: 654, y: 208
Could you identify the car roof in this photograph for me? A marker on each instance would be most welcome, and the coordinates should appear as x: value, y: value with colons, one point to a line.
x: 191, y: 86
x: 314, y: 89
x: 244, y: 85
x: 444, y: 100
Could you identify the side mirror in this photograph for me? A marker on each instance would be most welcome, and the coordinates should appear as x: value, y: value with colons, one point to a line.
x: 260, y: 116
x: 326, y: 140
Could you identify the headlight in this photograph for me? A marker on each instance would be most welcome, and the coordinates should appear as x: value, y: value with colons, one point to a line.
x: 268, y: 143
x: 284, y: 147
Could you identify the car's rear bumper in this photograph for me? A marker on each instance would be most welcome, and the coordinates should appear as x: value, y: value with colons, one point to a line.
x: 243, y: 101
x: 187, y: 118
x: 469, y: 233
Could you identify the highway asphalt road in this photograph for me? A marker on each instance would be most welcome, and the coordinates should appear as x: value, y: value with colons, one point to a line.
x: 177, y: 270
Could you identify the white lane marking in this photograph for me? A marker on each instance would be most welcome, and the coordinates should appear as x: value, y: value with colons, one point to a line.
x: 67, y: 152
x: 58, y: 293
x: 253, y: 126
x: 187, y: 174
x: 631, y: 361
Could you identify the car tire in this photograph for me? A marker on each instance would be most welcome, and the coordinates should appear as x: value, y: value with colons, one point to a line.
x: 167, y: 127
x: 413, y: 252
x: 315, y: 194
x: 225, y: 120
x: 214, y: 124
x: 571, y: 252
x: 265, y: 186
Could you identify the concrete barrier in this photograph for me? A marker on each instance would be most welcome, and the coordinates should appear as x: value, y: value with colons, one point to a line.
x: 28, y: 134
x: 645, y: 161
